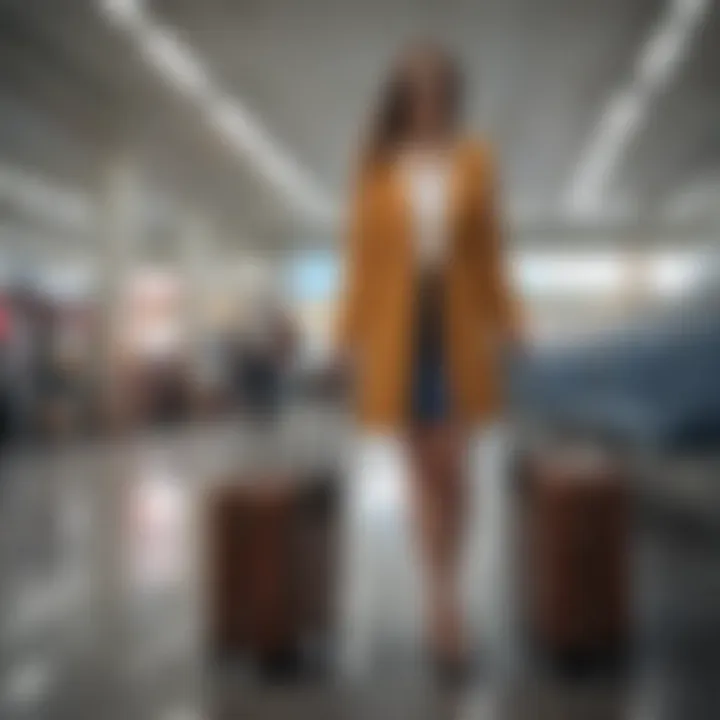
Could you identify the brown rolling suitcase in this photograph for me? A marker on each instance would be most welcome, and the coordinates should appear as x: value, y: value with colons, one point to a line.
x: 578, y: 549
x: 272, y: 559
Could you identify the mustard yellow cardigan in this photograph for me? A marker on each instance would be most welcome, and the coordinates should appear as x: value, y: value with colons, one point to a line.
x: 376, y: 317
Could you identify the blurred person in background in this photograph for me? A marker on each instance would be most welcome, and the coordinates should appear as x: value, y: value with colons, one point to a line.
x: 428, y: 313
x: 25, y: 358
x: 153, y: 348
x: 65, y: 385
x: 5, y: 389
x: 267, y: 343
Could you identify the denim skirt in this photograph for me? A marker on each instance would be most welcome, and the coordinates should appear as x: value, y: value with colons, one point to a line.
x: 430, y: 402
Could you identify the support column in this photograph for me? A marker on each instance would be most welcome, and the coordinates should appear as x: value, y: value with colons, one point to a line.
x: 118, y: 241
x: 200, y: 270
x: 196, y: 248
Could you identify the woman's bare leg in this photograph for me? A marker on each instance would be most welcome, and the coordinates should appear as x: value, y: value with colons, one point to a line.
x: 439, y: 500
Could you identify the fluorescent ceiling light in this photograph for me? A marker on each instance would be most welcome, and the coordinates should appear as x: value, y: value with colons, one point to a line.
x: 246, y: 135
x: 128, y: 13
x: 656, y: 64
x: 621, y: 119
x: 168, y: 55
x: 37, y: 196
x: 236, y: 125
x: 249, y: 138
x: 623, y: 114
x: 691, y: 10
x: 664, y: 51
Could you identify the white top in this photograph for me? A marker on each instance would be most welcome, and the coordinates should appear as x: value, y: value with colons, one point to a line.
x: 428, y: 191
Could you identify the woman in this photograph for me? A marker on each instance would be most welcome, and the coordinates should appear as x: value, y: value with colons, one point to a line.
x: 428, y: 312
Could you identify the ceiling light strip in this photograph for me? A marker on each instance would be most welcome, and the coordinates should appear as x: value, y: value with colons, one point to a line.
x: 37, y: 196
x: 166, y: 53
x: 655, y: 66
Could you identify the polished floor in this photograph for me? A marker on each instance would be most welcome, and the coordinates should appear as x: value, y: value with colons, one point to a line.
x: 101, y: 600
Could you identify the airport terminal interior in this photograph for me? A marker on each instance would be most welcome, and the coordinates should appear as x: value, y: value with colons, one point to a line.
x: 189, y: 532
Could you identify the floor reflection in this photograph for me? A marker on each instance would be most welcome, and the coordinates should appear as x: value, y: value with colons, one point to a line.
x: 101, y: 600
